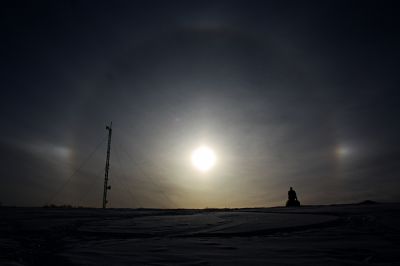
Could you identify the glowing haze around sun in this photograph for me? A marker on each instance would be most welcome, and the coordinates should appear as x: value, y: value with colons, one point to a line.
x: 203, y: 158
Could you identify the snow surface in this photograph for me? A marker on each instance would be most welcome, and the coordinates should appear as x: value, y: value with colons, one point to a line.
x: 313, y: 235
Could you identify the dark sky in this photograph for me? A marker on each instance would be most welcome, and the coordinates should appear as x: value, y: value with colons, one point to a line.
x: 287, y: 93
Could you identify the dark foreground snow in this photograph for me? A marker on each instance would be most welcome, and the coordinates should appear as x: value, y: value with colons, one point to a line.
x: 319, y: 235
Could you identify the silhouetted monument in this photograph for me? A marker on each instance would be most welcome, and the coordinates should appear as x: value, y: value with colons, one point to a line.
x: 292, y: 199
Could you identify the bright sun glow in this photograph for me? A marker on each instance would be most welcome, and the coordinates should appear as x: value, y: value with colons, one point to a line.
x: 203, y: 158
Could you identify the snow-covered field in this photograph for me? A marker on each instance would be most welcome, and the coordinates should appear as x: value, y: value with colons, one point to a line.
x: 314, y: 235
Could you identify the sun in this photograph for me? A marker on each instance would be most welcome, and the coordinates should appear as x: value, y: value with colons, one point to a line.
x: 203, y: 158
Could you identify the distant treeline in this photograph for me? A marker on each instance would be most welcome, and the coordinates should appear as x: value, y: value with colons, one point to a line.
x: 63, y: 206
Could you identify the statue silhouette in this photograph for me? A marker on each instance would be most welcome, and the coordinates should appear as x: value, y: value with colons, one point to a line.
x: 292, y: 199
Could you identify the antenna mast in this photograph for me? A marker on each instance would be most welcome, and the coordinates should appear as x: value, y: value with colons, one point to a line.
x: 106, y: 186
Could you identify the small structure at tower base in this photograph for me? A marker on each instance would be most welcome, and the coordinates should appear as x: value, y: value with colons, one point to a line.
x: 292, y: 203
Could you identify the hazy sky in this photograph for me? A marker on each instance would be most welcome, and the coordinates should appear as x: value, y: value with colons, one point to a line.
x: 287, y: 93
